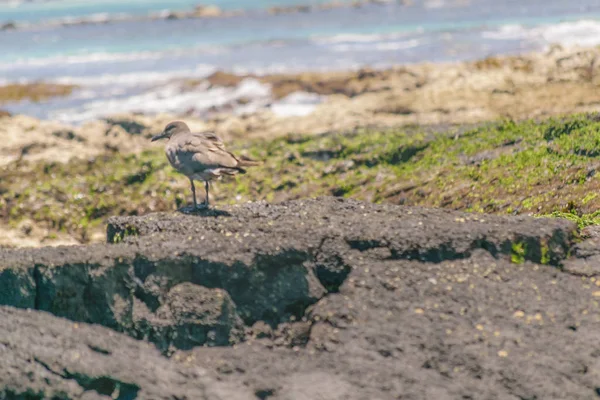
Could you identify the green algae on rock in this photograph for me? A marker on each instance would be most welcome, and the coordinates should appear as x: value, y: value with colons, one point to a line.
x: 545, y: 167
x: 37, y: 91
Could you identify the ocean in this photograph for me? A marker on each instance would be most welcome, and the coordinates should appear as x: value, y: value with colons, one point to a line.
x: 130, y: 64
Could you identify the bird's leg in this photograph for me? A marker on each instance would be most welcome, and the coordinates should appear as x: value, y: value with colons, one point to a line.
x: 194, y: 193
x: 206, y: 198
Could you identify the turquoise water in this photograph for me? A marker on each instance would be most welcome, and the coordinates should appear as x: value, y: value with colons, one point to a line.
x: 60, y: 9
x: 126, y: 64
x: 257, y: 27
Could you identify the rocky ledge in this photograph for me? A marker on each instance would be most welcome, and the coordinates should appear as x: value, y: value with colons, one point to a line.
x: 324, y: 298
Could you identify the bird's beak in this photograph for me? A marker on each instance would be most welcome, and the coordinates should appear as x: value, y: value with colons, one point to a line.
x: 158, y: 137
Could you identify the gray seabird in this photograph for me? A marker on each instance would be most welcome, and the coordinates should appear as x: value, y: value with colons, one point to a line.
x: 200, y: 156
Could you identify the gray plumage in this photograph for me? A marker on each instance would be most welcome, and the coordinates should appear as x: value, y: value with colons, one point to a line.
x: 200, y: 156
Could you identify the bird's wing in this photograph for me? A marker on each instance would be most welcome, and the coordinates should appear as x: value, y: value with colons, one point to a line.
x: 209, y: 137
x: 206, y: 150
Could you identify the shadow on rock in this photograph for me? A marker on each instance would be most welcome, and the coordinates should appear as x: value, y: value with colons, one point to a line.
x: 203, y: 212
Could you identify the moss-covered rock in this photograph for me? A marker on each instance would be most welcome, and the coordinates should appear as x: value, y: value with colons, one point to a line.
x: 33, y: 91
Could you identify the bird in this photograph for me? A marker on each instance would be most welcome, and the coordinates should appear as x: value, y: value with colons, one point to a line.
x: 200, y: 156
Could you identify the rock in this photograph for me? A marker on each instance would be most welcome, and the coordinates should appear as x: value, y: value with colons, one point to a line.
x: 4, y: 114
x: 226, y: 79
x: 26, y: 227
x: 408, y: 232
x: 315, y: 385
x: 47, y: 357
x: 55, y: 142
x: 327, y: 298
x: 17, y: 288
x: 289, y: 10
x: 131, y: 289
x: 278, y: 10
x: 190, y: 315
x: 432, y: 330
x: 262, y: 330
x: 68, y: 134
x: 209, y: 11
x: 331, y: 5
x: 129, y: 124
x: 586, y: 254
x: 591, y: 232
x: 172, y: 16
x: 8, y: 26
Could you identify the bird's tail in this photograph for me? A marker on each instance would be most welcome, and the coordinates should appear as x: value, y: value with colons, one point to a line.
x: 247, y: 162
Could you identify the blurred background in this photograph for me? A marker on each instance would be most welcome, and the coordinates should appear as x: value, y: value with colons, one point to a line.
x: 127, y: 56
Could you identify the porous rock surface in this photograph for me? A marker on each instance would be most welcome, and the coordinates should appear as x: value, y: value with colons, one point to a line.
x: 45, y: 357
x: 329, y: 299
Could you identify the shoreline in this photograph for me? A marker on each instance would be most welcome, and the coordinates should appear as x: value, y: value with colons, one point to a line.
x: 557, y: 81
x: 152, y: 78
x: 427, y: 100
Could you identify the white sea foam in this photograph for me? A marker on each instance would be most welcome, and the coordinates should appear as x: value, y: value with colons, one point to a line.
x: 81, y: 59
x: 135, y: 79
x: 348, y: 37
x: 297, y: 104
x: 92, y: 18
x: 170, y: 98
x: 348, y: 43
x: 580, y: 33
x: 358, y: 38
x: 432, y: 4
x: 506, y: 32
x: 575, y: 33
x: 381, y: 46
x: 104, y: 57
x: 167, y: 98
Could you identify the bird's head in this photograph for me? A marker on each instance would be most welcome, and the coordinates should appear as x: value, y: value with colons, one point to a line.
x: 172, y: 129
